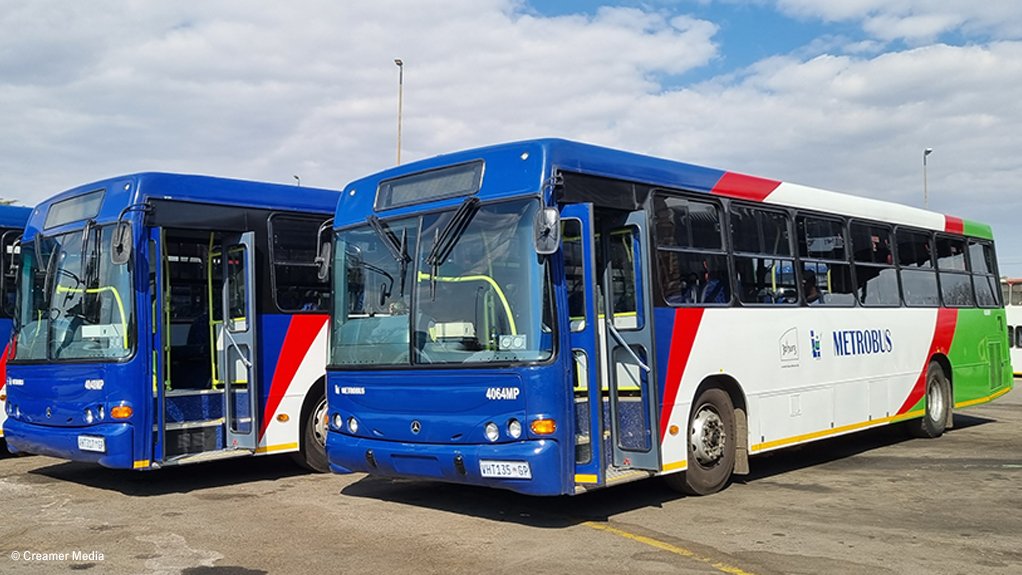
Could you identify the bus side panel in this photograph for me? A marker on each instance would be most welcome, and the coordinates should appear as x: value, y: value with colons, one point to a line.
x: 292, y: 353
x: 807, y: 373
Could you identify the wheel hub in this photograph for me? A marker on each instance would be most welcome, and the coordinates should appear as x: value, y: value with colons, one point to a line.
x: 934, y: 402
x: 709, y: 439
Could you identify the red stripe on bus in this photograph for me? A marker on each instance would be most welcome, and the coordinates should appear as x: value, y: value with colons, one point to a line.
x: 301, y: 332
x: 686, y: 325
x: 943, y: 333
x: 744, y: 187
x: 953, y: 225
x: 3, y: 366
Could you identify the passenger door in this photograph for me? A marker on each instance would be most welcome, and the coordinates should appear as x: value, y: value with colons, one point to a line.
x: 236, y: 360
x: 628, y: 344
x: 579, y: 250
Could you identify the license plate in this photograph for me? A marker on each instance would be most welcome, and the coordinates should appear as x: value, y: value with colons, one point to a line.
x: 505, y: 469
x: 91, y: 443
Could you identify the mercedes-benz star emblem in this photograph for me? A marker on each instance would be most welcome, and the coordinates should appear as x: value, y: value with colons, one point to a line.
x: 416, y: 426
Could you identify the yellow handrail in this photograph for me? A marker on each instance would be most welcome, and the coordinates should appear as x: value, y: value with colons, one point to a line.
x: 117, y: 297
x: 423, y: 276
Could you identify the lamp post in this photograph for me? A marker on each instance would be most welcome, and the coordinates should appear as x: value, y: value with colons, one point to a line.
x: 400, y: 102
x: 926, y: 196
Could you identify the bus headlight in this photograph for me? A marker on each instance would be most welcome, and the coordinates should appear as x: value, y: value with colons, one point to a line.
x: 89, y: 418
x: 514, y: 428
x: 352, y: 425
x: 101, y: 413
x: 338, y: 422
x: 492, y: 432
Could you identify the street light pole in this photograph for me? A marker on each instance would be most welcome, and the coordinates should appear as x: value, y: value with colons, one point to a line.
x: 400, y: 102
x: 926, y: 195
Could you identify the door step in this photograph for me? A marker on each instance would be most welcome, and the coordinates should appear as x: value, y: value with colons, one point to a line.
x: 208, y: 456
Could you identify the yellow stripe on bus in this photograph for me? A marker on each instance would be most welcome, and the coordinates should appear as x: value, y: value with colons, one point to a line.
x: 676, y: 465
x: 278, y: 447
x: 585, y: 478
x: 834, y: 431
x: 141, y: 463
x: 990, y: 397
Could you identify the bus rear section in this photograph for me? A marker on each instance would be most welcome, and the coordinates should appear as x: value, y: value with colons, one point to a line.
x: 163, y: 322
x: 12, y: 225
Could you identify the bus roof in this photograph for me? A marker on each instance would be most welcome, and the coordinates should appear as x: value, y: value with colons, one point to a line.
x: 523, y: 167
x: 14, y: 216
x: 122, y: 191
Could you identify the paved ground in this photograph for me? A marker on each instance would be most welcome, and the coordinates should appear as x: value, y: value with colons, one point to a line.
x: 874, y: 503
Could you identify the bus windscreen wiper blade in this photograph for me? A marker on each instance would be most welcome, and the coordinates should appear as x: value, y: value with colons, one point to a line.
x: 398, y: 249
x: 447, y: 237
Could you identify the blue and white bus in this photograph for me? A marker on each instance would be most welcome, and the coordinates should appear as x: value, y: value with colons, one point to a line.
x: 167, y: 319
x: 12, y: 224
x: 552, y: 317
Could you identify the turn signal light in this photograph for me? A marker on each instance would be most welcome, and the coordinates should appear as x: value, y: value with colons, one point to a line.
x: 121, y: 412
x: 543, y: 426
x: 3, y: 397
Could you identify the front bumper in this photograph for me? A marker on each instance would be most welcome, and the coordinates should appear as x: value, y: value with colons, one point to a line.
x: 62, y: 442
x: 451, y: 463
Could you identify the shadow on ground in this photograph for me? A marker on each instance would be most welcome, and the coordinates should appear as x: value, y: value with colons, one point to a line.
x: 184, y: 479
x: 600, y: 505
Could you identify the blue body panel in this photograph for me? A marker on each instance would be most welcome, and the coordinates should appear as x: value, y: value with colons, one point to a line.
x: 52, y: 396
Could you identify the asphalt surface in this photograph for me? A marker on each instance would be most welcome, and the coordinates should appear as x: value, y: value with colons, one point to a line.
x: 875, y: 502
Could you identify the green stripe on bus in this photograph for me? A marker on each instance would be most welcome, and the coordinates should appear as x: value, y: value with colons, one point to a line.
x: 978, y: 230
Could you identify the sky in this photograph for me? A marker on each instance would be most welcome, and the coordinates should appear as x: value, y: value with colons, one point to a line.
x: 838, y: 94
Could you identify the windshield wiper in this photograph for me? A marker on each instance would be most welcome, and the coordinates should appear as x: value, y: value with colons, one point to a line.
x: 398, y: 248
x: 447, y: 237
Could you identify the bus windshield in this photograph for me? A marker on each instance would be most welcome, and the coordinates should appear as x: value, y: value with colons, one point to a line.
x: 73, y: 303
x: 481, y: 296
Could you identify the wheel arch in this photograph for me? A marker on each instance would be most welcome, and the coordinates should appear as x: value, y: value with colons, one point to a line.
x: 730, y: 385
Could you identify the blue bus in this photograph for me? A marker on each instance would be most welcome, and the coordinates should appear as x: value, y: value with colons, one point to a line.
x: 12, y: 224
x: 165, y: 319
x: 552, y: 317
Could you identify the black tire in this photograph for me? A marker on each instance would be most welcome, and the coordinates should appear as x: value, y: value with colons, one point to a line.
x: 938, y: 404
x: 312, y: 448
x: 711, y: 445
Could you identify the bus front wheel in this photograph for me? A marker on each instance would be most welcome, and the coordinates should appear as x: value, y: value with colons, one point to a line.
x: 938, y: 404
x: 312, y: 446
x: 711, y: 445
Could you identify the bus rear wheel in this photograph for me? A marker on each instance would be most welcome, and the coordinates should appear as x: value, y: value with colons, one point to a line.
x: 938, y: 404
x: 711, y: 445
x: 312, y: 447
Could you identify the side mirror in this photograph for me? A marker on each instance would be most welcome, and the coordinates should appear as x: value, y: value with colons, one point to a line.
x: 547, y: 231
x: 120, y: 243
x: 323, y: 261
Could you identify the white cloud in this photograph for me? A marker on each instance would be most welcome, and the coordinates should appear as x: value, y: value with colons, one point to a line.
x: 916, y: 21
x: 310, y: 88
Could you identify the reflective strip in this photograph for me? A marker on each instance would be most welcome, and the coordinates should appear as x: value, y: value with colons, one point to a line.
x: 141, y: 464
x: 585, y: 478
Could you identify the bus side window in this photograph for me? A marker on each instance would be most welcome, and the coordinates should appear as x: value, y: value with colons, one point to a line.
x: 296, y: 285
x: 692, y: 266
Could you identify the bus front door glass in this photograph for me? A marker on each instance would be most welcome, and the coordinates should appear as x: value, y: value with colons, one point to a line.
x: 236, y: 363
